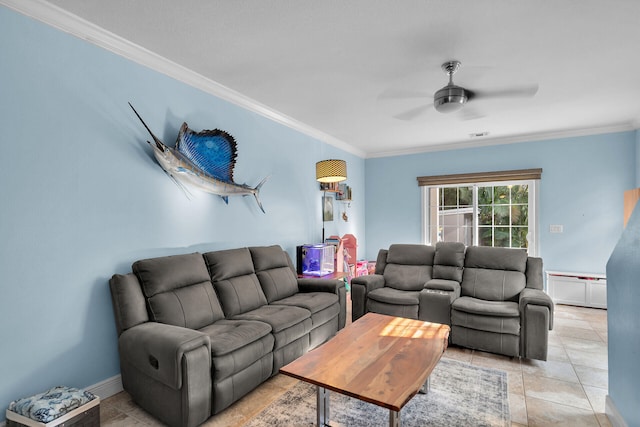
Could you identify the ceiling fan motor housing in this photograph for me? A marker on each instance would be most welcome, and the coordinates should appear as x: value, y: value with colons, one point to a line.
x: 449, y: 99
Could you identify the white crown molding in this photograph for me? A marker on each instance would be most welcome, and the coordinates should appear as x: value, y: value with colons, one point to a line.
x: 69, y: 23
x: 485, y: 142
x: 59, y: 18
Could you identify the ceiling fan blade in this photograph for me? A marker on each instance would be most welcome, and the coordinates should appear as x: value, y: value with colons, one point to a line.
x: 470, y: 113
x: 403, y: 94
x: 526, y: 91
x: 413, y: 113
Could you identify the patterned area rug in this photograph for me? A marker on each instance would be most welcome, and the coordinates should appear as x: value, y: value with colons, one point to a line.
x: 460, y: 395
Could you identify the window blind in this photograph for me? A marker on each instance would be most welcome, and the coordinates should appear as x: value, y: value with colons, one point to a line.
x: 469, y: 178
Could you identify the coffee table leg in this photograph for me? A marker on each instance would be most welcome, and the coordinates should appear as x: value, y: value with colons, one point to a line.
x: 426, y: 386
x: 323, y: 406
x: 394, y: 418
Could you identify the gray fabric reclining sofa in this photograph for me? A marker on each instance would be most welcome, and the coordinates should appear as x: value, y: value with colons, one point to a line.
x: 492, y: 298
x: 196, y: 332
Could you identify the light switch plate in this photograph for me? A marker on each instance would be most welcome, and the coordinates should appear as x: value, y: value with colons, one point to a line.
x: 556, y: 228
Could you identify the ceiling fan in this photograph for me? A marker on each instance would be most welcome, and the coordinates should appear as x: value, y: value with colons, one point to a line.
x: 452, y: 98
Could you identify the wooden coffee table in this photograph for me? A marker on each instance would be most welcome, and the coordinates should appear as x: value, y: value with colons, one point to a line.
x: 379, y: 359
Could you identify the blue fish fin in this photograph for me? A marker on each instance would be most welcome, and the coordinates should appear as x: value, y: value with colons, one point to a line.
x: 225, y: 198
x: 212, y: 151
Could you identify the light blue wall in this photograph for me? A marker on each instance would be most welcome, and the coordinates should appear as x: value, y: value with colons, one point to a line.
x: 582, y: 184
x: 623, y: 318
x: 81, y: 197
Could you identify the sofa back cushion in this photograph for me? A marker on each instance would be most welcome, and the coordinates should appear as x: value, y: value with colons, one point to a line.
x: 178, y: 290
x: 235, y: 280
x: 448, y: 261
x: 408, y: 267
x: 494, y: 274
x: 274, y: 272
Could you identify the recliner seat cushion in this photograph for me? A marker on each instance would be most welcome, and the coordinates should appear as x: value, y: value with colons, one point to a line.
x: 486, y: 308
x: 492, y: 316
x: 498, y: 325
x: 230, y: 335
x: 287, y: 323
x: 323, y: 306
x: 395, y: 296
x: 237, y: 344
x: 312, y: 301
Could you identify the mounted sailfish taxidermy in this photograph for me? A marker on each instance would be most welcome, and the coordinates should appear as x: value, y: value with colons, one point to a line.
x: 203, y: 160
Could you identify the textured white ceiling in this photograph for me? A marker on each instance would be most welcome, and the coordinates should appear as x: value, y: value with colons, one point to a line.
x: 326, y: 63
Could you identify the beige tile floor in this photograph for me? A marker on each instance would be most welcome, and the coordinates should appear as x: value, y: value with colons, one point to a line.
x: 569, y: 389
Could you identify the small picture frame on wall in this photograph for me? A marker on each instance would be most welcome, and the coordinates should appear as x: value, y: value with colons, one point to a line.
x: 328, y: 186
x: 327, y: 208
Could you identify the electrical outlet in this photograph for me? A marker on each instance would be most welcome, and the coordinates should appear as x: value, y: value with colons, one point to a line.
x: 556, y: 228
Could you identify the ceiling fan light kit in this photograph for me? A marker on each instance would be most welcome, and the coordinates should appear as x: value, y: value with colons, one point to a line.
x: 451, y: 97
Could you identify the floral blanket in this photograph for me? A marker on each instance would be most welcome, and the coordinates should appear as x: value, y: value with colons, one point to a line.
x: 53, y: 403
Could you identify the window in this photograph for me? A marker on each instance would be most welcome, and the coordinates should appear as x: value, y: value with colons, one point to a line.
x: 485, y: 213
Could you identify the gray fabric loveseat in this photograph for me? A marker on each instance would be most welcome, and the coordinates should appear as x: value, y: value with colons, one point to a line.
x: 492, y: 298
x: 196, y: 332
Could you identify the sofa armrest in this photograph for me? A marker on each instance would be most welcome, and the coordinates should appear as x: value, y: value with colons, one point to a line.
x: 536, y: 321
x: 335, y: 286
x: 450, y: 286
x: 435, y: 300
x: 360, y: 288
x: 534, y: 273
x: 320, y: 285
x: 157, y: 350
x: 530, y: 296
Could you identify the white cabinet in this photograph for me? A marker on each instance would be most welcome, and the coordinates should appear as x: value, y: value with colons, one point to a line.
x: 585, y: 289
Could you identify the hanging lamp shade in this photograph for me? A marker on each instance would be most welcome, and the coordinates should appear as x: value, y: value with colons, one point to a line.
x: 331, y: 170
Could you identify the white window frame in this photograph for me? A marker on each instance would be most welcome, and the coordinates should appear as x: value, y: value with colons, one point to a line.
x: 534, y: 240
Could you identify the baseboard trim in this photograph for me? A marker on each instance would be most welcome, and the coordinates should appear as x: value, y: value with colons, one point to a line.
x: 612, y: 412
x: 106, y: 388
